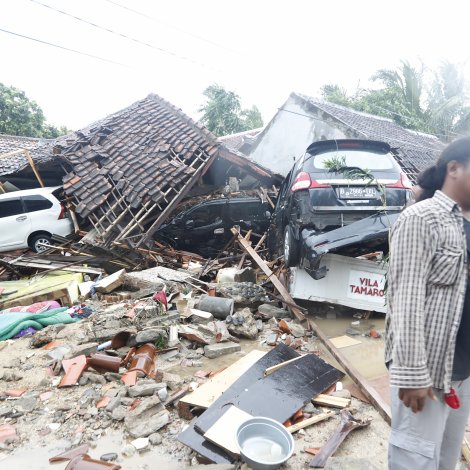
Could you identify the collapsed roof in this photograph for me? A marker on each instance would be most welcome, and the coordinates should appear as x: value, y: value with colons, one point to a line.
x: 40, y: 150
x: 130, y: 170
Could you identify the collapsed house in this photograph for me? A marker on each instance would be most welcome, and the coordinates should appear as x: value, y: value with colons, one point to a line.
x: 22, y: 159
x: 125, y: 175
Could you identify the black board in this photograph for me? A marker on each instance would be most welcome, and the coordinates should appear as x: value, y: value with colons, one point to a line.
x: 277, y: 396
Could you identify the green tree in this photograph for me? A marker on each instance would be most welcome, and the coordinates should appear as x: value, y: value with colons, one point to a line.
x: 448, y: 110
x: 223, y: 114
x: 21, y: 116
x: 439, y: 108
x: 252, y: 118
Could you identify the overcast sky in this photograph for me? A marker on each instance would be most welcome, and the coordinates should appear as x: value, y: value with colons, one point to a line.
x: 263, y: 50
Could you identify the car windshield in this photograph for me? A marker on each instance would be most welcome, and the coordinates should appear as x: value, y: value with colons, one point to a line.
x: 366, y: 160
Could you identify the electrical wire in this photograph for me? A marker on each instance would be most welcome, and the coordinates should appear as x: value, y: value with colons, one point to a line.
x: 176, y: 28
x: 122, y: 35
x: 64, y: 48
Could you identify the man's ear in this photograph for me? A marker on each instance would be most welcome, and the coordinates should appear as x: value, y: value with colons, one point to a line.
x: 454, y: 168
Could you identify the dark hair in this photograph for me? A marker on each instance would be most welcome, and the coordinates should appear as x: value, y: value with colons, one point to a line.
x: 433, y: 178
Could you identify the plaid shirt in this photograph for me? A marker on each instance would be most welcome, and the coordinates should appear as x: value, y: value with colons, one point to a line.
x: 426, y: 291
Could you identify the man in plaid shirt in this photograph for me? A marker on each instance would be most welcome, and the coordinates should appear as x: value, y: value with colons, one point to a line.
x: 428, y: 322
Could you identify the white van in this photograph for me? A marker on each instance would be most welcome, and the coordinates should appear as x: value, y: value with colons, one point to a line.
x: 29, y: 218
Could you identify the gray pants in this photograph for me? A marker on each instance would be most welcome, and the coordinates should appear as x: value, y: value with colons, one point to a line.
x: 431, y: 439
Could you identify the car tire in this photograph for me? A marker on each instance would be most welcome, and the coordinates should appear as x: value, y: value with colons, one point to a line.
x: 290, y: 248
x: 35, y: 241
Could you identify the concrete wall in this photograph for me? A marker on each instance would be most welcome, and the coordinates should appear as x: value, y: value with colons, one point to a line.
x: 290, y: 132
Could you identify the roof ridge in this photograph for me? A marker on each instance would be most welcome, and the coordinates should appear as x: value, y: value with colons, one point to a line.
x: 23, y: 137
x: 319, y: 102
x: 198, y: 127
x: 239, y: 134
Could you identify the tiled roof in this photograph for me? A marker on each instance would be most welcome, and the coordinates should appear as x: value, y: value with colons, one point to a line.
x: 40, y: 149
x: 149, y: 150
x: 415, y: 151
x: 236, y: 141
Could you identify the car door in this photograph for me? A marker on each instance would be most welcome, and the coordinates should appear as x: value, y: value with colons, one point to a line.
x: 276, y: 229
x: 205, y: 230
x: 15, y: 224
x: 42, y: 213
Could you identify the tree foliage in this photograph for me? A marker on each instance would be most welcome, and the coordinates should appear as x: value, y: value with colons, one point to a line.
x: 21, y: 116
x: 434, y: 102
x: 223, y: 114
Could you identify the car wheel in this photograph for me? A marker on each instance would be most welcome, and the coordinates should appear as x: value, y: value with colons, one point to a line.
x: 291, y: 248
x: 37, y: 243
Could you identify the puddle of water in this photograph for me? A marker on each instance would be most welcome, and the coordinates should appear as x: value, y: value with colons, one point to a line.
x: 38, y: 457
x: 367, y: 357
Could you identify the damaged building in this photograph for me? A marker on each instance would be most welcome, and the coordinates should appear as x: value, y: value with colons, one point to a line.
x: 125, y: 175
x: 302, y: 120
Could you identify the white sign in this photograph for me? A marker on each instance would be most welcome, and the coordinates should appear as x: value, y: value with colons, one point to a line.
x: 367, y: 286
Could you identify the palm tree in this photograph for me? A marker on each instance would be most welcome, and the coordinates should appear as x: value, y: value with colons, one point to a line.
x: 448, y: 112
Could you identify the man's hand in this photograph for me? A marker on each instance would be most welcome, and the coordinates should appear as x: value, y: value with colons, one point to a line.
x: 414, y: 398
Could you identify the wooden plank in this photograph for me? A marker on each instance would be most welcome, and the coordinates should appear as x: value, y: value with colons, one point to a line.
x: 366, y: 388
x: 209, y: 392
x: 277, y: 283
x: 112, y: 282
x: 313, y: 420
x: 33, y: 167
x: 328, y: 400
x: 272, y: 369
x: 58, y: 267
x: 344, y: 341
x: 223, y: 431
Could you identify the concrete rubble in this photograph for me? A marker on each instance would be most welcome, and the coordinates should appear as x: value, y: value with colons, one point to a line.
x: 121, y: 328
x: 142, y: 409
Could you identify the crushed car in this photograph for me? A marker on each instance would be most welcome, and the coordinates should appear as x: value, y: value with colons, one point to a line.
x: 204, y: 228
x: 336, y: 184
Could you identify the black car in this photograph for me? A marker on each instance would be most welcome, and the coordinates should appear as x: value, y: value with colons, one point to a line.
x: 334, y: 184
x: 205, y: 227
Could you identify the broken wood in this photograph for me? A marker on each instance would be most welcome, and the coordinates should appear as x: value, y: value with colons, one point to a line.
x: 277, y: 283
x: 33, y: 167
x: 273, y: 369
x: 328, y: 400
x: 177, y: 395
x: 110, y: 283
x: 366, y: 388
x: 302, y: 309
x: 348, y: 424
x: 308, y: 422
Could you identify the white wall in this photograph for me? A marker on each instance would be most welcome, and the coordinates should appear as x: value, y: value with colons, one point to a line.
x: 289, y: 134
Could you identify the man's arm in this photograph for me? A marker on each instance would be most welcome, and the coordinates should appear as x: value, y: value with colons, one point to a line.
x: 411, y: 252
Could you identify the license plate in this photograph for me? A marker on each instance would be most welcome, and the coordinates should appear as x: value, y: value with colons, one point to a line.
x: 358, y: 193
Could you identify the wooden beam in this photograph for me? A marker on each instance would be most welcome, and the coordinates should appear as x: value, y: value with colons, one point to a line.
x: 328, y: 400
x: 277, y: 283
x: 33, y: 167
x: 273, y: 369
x: 310, y: 421
x: 11, y: 154
x: 366, y: 388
